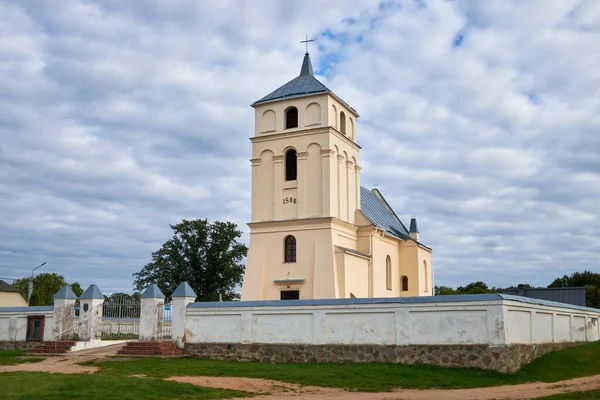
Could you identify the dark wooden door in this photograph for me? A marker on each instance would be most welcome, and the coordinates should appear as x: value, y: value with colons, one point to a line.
x: 35, y: 328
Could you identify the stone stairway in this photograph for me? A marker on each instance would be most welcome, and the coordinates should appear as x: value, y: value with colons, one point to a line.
x: 52, y: 347
x: 150, y: 349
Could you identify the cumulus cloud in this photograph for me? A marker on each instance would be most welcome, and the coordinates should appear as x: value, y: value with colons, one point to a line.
x: 480, y: 118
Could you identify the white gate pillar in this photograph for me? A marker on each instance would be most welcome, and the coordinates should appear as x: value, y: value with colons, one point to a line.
x: 90, y: 313
x: 182, y: 296
x: 151, y: 315
x: 64, y: 313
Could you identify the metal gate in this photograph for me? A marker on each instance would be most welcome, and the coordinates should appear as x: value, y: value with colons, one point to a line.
x: 120, y: 319
x: 165, y: 321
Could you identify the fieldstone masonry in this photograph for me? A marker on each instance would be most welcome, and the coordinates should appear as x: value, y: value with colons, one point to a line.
x: 507, y: 359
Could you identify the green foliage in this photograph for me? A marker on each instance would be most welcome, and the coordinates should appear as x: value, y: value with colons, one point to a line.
x: 39, y: 385
x: 119, y: 297
x: 205, y: 255
x: 45, y: 285
x: 371, y: 377
x: 76, y: 287
x: 478, y: 287
x: 587, y: 279
x: 587, y: 395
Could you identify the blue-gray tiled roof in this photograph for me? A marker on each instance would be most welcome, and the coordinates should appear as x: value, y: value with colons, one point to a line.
x: 303, y: 85
x: 152, y: 292
x: 92, y: 292
x: 65, y: 293
x: 378, y: 213
x: 184, y: 290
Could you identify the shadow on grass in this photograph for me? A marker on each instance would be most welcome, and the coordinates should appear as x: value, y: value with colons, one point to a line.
x: 11, y: 357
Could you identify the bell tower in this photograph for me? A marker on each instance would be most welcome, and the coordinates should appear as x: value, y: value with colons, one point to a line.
x: 305, y: 176
x: 304, y: 153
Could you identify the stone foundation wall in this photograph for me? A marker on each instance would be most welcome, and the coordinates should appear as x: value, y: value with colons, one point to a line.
x: 17, y: 345
x: 507, y: 359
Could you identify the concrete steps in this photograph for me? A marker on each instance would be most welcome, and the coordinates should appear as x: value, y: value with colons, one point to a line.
x: 52, y: 347
x: 150, y: 349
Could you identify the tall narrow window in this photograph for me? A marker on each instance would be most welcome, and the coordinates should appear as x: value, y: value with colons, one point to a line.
x: 426, y: 276
x: 291, y: 118
x: 405, y: 284
x: 290, y: 249
x: 388, y: 273
x: 291, y: 162
x: 343, y: 122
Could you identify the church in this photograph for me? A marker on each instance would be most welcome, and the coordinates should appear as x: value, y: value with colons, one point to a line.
x: 315, y: 232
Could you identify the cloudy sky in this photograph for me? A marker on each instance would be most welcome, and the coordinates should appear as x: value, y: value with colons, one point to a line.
x: 481, y: 118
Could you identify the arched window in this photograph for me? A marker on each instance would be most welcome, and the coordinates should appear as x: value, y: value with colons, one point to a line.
x: 291, y: 118
x: 290, y: 249
x: 405, y: 283
x: 343, y: 122
x: 426, y: 276
x: 291, y: 162
x: 388, y: 273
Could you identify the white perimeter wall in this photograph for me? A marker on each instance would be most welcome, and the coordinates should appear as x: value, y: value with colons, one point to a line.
x: 495, y: 323
x: 13, y: 324
x: 529, y: 323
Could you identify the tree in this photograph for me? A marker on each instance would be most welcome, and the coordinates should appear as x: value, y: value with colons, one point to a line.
x: 478, y: 287
x: 443, y: 291
x: 587, y: 279
x: 205, y: 255
x: 45, y: 285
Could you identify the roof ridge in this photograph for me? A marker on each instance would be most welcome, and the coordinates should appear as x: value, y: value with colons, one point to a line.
x: 386, y: 204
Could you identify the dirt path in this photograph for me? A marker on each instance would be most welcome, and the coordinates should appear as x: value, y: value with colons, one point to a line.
x: 279, y: 390
x: 268, y: 389
x: 66, y: 364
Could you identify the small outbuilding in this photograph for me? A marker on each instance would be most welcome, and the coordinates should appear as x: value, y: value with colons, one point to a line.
x: 10, y: 296
x: 568, y: 295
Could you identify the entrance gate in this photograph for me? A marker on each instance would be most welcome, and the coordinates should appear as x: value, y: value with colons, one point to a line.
x: 165, y: 323
x: 120, y: 319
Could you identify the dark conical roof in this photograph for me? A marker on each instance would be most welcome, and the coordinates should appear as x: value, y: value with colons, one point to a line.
x: 413, y: 226
x: 306, y: 66
x: 303, y: 85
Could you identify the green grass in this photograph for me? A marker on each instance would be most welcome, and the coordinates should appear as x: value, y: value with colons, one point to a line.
x: 589, y: 395
x: 10, y: 357
x: 370, y: 377
x: 40, y: 385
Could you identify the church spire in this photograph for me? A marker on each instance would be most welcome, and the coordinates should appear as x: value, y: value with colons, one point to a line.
x: 306, y: 66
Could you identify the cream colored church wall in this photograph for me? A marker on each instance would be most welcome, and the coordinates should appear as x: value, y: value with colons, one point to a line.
x: 425, y: 274
x: 384, y: 246
x: 314, y: 252
x: 313, y: 111
x: 335, y: 180
x: 335, y: 108
x: 327, y: 272
x: 409, y: 260
x: 353, y: 275
x: 270, y: 117
x: 328, y: 182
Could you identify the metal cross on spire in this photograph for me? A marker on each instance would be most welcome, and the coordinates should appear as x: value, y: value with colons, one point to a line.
x: 307, y: 41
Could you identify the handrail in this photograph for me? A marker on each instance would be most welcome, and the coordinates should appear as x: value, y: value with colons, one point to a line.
x: 75, y: 325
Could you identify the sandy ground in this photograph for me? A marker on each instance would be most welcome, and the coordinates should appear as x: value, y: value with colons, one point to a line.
x: 275, y: 389
x: 267, y: 389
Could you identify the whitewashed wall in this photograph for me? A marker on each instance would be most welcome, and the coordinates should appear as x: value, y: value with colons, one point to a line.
x: 13, y: 322
x: 530, y: 323
x: 493, y: 322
